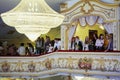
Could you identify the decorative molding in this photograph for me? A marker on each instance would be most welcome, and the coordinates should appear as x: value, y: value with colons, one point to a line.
x: 90, y: 7
x: 87, y: 7
x: 63, y: 6
x: 96, y: 1
x: 62, y: 62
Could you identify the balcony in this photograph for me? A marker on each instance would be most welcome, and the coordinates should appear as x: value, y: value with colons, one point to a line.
x: 106, y: 64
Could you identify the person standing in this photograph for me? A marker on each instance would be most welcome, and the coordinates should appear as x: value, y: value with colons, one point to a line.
x: 99, y: 42
x: 110, y: 45
x: 56, y: 45
x: 30, y: 49
x: 91, y: 45
x: 95, y: 37
x: 106, y: 41
x: 1, y: 49
x: 38, y: 45
x: 42, y: 45
x: 21, y: 49
x: 78, y: 44
x: 50, y: 48
x: 47, y: 42
x: 11, y: 50
x: 86, y: 44
x: 72, y: 44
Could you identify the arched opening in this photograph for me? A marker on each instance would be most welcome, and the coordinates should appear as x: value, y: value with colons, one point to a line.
x: 87, y: 26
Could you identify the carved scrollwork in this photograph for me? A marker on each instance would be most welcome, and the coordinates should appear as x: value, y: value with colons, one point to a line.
x: 85, y: 63
x: 19, y: 66
x: 87, y: 7
x: 31, y: 66
x: 102, y: 64
x: 48, y: 63
x: 5, y: 66
x: 71, y: 63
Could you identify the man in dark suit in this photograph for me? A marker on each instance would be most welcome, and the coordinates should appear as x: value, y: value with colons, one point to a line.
x: 78, y: 44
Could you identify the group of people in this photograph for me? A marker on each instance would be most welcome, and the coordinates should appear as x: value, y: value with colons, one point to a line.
x: 41, y: 46
x: 101, y: 43
x: 47, y: 46
x: 12, y: 50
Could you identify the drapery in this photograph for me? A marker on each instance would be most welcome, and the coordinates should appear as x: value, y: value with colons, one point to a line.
x: 71, y: 34
x: 82, y: 21
x: 100, y: 20
x: 91, y: 20
x: 109, y: 27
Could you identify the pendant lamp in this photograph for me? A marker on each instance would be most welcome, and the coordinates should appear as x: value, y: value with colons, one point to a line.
x: 32, y: 18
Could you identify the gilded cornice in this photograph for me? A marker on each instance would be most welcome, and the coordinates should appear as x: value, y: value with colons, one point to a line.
x: 86, y: 1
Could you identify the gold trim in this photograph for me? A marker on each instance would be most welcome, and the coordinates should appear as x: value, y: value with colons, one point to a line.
x: 106, y: 4
x: 98, y: 1
x: 111, y: 21
x: 106, y: 21
x: 74, y: 71
x: 103, y: 13
x: 91, y: 7
x: 63, y: 5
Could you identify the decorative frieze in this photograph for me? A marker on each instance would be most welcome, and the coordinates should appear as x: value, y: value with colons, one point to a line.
x: 89, y: 7
x: 62, y: 62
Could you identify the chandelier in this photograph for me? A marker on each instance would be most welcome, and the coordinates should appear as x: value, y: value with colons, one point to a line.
x: 32, y: 18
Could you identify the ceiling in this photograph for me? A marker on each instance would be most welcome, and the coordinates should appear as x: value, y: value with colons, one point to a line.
x: 8, y: 33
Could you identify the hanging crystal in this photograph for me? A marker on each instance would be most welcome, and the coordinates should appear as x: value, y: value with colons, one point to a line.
x: 32, y: 17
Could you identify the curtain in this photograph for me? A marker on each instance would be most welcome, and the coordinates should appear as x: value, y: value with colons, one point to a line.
x: 109, y: 27
x: 71, y: 34
x: 100, y: 20
x: 82, y: 21
x: 91, y: 20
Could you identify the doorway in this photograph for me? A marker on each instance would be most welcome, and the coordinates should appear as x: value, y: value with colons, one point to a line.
x: 91, y: 32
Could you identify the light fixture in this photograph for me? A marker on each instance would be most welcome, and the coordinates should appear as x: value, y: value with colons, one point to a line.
x: 32, y: 17
x: 101, y: 26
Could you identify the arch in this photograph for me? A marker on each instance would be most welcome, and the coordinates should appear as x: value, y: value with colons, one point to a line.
x: 97, y: 8
x: 106, y: 11
x: 96, y: 1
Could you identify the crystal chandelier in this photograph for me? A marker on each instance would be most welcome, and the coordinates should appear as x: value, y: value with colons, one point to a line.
x: 32, y: 18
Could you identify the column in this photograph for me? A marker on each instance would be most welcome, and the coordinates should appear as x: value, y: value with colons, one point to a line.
x: 115, y: 36
x: 118, y: 35
x: 119, y: 26
x: 118, y: 29
x: 63, y: 37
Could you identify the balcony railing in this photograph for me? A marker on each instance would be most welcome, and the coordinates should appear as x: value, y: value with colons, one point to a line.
x: 62, y: 62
